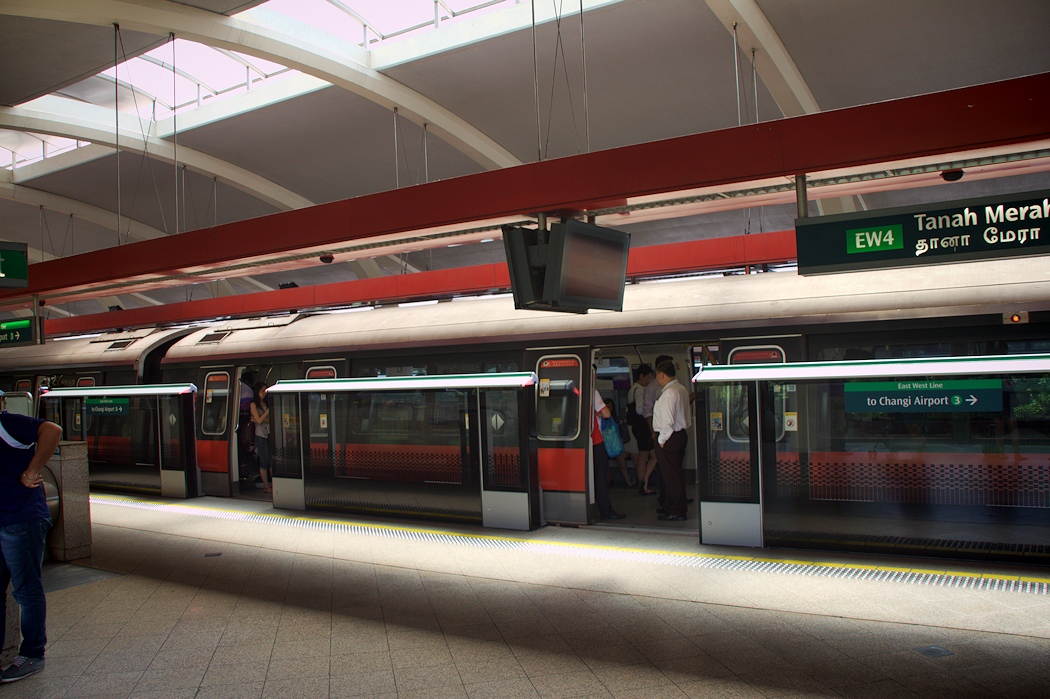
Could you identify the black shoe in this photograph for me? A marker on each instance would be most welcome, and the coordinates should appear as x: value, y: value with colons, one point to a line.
x: 614, y: 515
x: 671, y: 518
x: 21, y: 668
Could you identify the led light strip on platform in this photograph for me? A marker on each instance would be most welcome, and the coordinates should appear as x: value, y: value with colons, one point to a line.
x: 915, y: 576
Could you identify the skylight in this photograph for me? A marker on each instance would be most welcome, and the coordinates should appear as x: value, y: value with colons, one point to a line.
x: 147, y: 86
x: 368, y: 22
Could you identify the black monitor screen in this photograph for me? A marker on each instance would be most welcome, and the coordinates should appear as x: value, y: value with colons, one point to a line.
x: 586, y: 267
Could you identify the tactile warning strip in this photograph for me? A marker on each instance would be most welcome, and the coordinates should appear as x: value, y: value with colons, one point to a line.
x: 914, y: 576
x: 1030, y: 553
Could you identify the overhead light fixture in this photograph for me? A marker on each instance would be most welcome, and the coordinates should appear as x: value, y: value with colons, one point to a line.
x: 952, y: 175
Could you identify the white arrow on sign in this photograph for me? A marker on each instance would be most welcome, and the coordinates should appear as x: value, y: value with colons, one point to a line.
x: 498, y: 422
x: 972, y: 400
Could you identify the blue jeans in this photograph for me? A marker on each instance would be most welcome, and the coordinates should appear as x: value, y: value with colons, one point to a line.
x: 22, y: 546
x: 262, y: 448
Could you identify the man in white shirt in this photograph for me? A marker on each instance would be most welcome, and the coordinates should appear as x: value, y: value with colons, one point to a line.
x: 652, y: 392
x: 670, y: 420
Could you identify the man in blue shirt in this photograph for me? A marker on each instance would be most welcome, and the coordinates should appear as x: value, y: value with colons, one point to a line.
x: 26, y: 444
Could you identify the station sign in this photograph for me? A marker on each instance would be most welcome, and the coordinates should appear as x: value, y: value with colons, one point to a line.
x: 107, y: 407
x: 14, y: 265
x: 925, y: 396
x: 17, y: 332
x: 973, y: 229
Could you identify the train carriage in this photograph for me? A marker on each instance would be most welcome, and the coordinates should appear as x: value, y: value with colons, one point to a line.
x: 423, y: 451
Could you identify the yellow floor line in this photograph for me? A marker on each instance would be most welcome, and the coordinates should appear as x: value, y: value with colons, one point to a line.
x: 103, y: 499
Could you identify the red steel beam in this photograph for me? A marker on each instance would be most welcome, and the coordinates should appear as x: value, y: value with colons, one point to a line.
x: 655, y: 260
x: 994, y: 114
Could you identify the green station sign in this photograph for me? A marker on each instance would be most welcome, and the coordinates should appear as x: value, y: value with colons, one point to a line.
x: 925, y: 396
x: 14, y: 265
x: 107, y: 407
x: 973, y: 229
x: 17, y: 332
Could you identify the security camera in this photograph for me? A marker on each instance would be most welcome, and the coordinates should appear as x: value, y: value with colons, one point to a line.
x: 327, y: 259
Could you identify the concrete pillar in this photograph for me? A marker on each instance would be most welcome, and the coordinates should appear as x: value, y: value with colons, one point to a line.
x: 70, y: 537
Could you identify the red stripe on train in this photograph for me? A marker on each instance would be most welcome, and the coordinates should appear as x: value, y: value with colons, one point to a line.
x: 213, y: 455
x: 563, y: 469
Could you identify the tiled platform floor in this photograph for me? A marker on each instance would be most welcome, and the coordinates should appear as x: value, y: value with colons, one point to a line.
x: 213, y: 607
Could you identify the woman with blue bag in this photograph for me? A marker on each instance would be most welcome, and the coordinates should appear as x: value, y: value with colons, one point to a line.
x: 613, y: 437
x: 600, y: 460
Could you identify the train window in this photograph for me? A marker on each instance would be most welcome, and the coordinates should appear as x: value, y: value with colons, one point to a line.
x: 24, y: 385
x: 286, y: 457
x: 1017, y: 415
x: 733, y: 402
x: 120, y: 344
x: 613, y: 381
x: 321, y: 372
x: 85, y: 381
x: 66, y: 412
x: 707, y: 353
x: 123, y: 429
x: 558, y: 398
x: 216, y: 402
x: 18, y: 403
x: 504, y: 467
x: 404, y: 436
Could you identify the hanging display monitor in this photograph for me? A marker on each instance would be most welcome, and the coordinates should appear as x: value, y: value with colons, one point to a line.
x: 578, y: 267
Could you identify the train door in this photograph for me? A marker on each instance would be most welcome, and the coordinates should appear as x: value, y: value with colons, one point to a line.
x: 245, y: 476
x: 615, y: 376
x: 20, y: 403
x: 509, y: 492
x: 563, y: 432
x: 748, y: 462
x: 217, y: 399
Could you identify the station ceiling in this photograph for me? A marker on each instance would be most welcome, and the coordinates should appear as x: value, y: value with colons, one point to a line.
x: 274, y: 106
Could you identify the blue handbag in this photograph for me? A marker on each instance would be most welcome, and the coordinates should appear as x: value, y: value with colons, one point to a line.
x: 611, y: 437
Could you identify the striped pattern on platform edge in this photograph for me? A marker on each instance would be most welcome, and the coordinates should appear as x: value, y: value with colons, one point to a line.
x: 915, y: 576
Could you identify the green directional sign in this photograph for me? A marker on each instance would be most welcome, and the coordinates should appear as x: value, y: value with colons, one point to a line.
x: 14, y: 265
x: 16, y: 332
x: 108, y: 407
x: 925, y: 396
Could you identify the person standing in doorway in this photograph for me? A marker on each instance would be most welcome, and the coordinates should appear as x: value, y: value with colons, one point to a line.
x: 26, y: 443
x: 645, y: 459
x: 261, y: 419
x: 652, y: 392
x: 670, y: 420
x: 246, y: 457
x: 600, y: 460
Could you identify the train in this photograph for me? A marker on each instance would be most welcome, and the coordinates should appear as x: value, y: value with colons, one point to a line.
x: 353, y: 433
